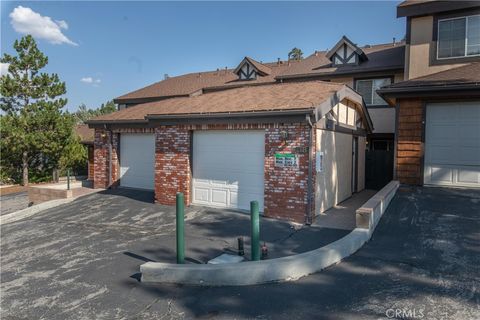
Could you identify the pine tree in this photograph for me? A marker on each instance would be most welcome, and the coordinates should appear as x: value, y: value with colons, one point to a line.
x: 33, y: 125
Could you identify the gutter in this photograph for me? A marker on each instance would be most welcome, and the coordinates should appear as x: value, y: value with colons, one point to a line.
x: 287, y: 112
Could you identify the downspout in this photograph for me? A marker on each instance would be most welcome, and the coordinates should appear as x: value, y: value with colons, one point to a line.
x: 311, y: 147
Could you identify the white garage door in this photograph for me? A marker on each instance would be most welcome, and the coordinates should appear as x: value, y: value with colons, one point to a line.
x: 452, y: 144
x: 228, y: 168
x: 137, y: 161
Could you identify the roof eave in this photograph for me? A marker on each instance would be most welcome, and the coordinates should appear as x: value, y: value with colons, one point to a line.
x: 333, y: 74
x: 391, y: 94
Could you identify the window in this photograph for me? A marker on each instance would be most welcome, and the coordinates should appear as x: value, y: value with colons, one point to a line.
x: 458, y: 37
x: 368, y: 89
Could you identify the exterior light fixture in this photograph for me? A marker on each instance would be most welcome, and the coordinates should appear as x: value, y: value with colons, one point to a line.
x: 284, y: 135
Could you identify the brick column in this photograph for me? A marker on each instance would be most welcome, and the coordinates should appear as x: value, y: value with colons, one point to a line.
x: 410, y: 147
x: 172, y: 164
x: 101, y: 159
x: 286, y: 188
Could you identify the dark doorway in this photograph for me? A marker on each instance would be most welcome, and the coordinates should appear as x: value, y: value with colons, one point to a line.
x: 379, y: 162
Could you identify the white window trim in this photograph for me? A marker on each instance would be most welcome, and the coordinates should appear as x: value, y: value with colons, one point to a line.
x: 466, y: 39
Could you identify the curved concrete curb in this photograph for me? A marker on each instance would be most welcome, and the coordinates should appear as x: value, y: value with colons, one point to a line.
x: 281, y: 269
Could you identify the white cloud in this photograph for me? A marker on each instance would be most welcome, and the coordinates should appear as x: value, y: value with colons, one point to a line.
x: 90, y: 80
x: 62, y: 24
x: 87, y: 79
x: 26, y: 21
x: 3, y: 68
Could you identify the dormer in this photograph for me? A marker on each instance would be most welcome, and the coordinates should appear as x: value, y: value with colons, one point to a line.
x: 250, y: 69
x: 345, y: 52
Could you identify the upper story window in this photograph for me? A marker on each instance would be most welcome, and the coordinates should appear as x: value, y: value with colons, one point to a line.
x: 458, y: 37
x: 368, y: 89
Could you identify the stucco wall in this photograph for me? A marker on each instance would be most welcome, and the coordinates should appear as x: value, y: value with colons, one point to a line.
x: 383, y: 119
x: 334, y: 184
x: 361, y: 163
x: 417, y: 53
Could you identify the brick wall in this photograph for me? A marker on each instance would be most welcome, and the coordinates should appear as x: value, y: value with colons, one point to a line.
x: 286, y: 188
x: 410, y: 148
x: 172, y: 164
x: 101, y: 161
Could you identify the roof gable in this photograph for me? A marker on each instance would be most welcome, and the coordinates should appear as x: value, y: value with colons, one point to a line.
x: 346, y: 52
x: 249, y: 69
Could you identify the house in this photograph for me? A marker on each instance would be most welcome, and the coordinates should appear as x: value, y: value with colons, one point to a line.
x: 438, y: 104
x: 287, y: 145
x: 301, y: 136
x: 364, y: 69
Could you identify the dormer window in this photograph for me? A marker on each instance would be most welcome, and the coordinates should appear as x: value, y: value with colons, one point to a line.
x: 458, y: 37
x: 250, y: 69
x: 345, y: 52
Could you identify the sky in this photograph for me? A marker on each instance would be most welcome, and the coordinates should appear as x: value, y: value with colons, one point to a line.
x: 105, y: 49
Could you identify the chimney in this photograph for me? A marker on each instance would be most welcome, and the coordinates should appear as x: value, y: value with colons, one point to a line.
x: 278, y: 60
x: 316, y: 53
x: 166, y: 76
x: 394, y: 41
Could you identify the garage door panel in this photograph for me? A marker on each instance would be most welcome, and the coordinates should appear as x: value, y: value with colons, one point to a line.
x: 137, y: 161
x: 467, y: 175
x: 230, y: 164
x: 452, y: 144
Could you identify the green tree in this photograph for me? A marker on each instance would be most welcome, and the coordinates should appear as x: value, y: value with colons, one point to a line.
x: 295, y: 54
x: 84, y: 113
x: 30, y: 99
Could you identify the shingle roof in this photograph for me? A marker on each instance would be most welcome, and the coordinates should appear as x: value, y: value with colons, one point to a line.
x: 467, y: 74
x: 273, y: 97
x: 380, y: 57
x: 85, y: 133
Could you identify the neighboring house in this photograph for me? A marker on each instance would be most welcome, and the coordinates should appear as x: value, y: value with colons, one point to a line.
x: 87, y: 135
x: 438, y: 106
x: 296, y: 148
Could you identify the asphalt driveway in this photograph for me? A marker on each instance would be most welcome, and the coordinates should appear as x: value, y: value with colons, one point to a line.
x: 80, y: 262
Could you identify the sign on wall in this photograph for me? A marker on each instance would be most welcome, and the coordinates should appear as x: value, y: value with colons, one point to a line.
x: 286, y: 160
x: 319, y: 161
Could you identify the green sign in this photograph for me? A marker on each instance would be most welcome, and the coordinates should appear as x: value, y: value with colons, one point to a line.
x: 284, y: 155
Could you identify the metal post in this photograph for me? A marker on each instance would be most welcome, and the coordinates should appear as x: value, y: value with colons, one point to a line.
x: 255, y: 236
x: 68, y: 179
x: 180, y: 229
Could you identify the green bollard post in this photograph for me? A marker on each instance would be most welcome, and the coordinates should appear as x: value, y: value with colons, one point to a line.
x: 68, y: 179
x: 180, y: 229
x: 255, y: 236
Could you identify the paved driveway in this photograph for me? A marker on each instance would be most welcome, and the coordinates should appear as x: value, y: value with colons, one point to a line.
x: 422, y: 263
x: 13, y: 202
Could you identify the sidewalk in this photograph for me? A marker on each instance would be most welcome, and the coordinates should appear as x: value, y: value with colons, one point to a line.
x: 342, y: 216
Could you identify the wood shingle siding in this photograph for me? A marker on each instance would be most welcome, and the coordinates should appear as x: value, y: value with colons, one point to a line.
x: 409, y: 141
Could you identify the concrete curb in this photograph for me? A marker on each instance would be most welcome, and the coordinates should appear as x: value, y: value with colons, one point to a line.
x: 281, y: 269
x: 30, y: 211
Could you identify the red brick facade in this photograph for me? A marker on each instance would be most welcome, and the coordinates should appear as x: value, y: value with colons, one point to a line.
x: 285, y: 188
x: 102, y: 165
x: 172, y: 164
x: 410, y: 147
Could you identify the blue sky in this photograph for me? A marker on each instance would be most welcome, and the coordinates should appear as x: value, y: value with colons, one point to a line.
x: 117, y: 47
